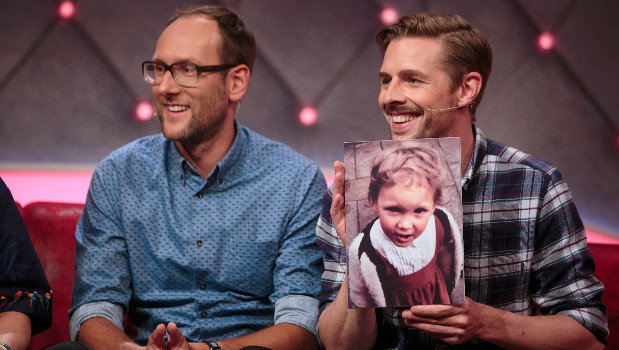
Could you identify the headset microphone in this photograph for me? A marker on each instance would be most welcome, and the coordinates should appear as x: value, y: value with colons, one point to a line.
x: 446, y: 109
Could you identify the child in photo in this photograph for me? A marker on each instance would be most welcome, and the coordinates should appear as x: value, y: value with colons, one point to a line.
x: 404, y: 257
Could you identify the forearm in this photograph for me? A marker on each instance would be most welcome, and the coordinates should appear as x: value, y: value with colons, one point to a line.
x: 99, y: 333
x: 285, y: 336
x: 342, y: 328
x: 513, y: 331
x: 15, y: 329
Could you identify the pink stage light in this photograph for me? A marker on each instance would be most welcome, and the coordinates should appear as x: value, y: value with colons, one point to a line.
x: 66, y: 9
x: 48, y: 186
x: 144, y: 111
x: 546, y: 42
x: 308, y: 116
x: 388, y: 15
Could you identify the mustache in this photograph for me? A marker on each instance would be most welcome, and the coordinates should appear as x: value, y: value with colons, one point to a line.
x: 403, y: 109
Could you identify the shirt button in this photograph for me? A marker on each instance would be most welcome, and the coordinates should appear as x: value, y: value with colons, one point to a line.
x: 200, y: 195
x: 221, y: 181
x: 182, y: 177
x: 203, y: 285
x: 203, y: 314
x: 199, y: 243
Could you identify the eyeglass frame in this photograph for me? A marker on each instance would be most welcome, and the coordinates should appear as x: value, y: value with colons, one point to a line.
x: 199, y: 70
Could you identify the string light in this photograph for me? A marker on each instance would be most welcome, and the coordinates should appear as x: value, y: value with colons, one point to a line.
x: 388, y: 15
x: 308, y: 116
x: 546, y: 41
x: 144, y: 111
x: 66, y: 9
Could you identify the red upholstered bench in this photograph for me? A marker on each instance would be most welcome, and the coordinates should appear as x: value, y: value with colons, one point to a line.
x: 52, y: 230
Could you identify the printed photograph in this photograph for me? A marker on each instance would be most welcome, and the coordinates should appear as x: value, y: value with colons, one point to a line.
x: 404, y: 223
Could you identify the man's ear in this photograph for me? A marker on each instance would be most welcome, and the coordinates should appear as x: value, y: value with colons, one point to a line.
x: 237, y: 82
x: 469, y: 88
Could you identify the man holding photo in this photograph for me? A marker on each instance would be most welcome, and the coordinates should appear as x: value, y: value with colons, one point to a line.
x: 528, y: 274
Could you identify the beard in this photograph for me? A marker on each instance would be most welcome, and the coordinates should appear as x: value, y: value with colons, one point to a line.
x: 206, y: 119
x: 427, y: 125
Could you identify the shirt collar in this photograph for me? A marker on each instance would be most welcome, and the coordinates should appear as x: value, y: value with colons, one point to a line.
x: 234, y: 156
x: 222, y: 170
x: 480, y: 144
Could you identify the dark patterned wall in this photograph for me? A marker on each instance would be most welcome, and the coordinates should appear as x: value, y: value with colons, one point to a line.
x: 63, y: 105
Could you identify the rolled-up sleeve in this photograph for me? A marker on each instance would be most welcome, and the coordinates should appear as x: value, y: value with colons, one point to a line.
x: 300, y: 310
x: 110, y: 311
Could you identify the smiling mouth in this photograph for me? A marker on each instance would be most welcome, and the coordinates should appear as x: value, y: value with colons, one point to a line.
x: 177, y: 108
x: 402, y: 118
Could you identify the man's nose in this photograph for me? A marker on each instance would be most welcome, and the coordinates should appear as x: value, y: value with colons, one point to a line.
x: 393, y: 94
x: 168, y: 85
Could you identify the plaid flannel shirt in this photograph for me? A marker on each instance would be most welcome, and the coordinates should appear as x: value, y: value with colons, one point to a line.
x: 525, y: 249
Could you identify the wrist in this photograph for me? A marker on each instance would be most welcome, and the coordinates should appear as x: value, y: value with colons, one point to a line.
x: 490, y: 321
x: 212, y: 345
x: 4, y: 346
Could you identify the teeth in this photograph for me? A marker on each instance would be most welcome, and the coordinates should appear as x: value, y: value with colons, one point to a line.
x: 401, y: 119
x: 177, y: 108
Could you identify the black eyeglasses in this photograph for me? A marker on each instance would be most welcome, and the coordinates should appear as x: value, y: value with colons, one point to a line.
x: 184, y: 74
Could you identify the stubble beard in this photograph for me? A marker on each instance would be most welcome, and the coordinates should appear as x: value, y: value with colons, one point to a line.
x: 428, y: 126
x: 205, y: 122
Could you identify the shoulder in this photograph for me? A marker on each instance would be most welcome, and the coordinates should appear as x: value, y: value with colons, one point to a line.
x: 271, y: 151
x: 146, y: 149
x: 3, y: 187
x: 504, y: 158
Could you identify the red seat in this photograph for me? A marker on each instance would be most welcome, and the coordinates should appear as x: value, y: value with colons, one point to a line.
x: 606, y: 258
x: 52, y: 230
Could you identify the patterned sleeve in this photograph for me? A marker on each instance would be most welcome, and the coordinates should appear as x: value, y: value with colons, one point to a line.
x: 562, y: 267
x: 23, y: 286
x: 333, y: 254
x: 102, y: 271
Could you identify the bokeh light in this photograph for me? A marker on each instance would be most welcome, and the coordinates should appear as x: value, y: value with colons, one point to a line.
x: 546, y: 41
x: 308, y: 116
x: 66, y: 9
x: 388, y: 15
x: 144, y: 111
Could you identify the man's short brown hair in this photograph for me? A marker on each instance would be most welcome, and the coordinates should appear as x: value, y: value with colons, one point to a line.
x: 238, y: 43
x: 465, y: 49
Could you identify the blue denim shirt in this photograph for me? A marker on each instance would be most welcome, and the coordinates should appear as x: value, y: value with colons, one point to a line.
x: 222, y: 257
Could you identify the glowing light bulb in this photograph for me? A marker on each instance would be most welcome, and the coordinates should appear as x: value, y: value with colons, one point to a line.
x: 546, y: 41
x: 144, y: 111
x: 308, y: 116
x: 388, y: 15
x: 66, y: 9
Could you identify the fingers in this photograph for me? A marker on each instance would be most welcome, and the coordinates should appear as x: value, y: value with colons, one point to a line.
x: 156, y: 341
x: 337, y: 211
x: 434, y: 311
x: 174, y: 334
x: 448, y: 334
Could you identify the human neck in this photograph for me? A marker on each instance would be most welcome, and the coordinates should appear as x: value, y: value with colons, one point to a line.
x: 205, y: 154
x: 467, y: 146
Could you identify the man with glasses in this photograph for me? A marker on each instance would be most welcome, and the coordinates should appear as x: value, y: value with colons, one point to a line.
x: 206, y: 232
x: 528, y: 274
